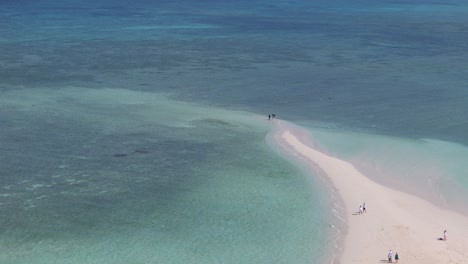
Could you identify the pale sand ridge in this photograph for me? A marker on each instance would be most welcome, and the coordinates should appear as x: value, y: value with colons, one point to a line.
x: 394, y: 220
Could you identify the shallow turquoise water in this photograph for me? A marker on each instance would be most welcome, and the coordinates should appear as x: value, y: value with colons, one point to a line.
x: 113, y: 176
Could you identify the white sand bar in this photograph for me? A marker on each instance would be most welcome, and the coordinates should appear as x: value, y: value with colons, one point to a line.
x: 394, y: 220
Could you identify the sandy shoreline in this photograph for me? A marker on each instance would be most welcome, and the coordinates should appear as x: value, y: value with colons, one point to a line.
x: 394, y: 220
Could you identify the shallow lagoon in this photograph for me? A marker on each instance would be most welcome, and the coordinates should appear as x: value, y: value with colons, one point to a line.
x: 114, y: 176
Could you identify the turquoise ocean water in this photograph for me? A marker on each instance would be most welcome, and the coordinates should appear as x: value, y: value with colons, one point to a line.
x: 135, y: 132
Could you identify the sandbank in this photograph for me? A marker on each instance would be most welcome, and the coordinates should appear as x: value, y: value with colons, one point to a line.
x: 394, y: 220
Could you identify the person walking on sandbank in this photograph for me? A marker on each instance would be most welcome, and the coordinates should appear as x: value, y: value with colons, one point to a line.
x: 396, y: 257
x: 390, y: 253
x: 445, y: 235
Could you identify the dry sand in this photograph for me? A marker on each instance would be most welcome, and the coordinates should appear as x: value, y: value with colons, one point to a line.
x: 394, y: 220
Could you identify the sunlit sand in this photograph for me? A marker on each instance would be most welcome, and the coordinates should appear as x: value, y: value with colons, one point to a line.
x: 394, y: 220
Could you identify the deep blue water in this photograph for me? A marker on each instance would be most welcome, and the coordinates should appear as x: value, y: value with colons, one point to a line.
x: 328, y: 61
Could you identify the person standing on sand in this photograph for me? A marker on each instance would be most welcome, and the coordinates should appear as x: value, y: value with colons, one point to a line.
x: 364, y: 207
x: 360, y: 209
x: 390, y: 256
x: 445, y: 235
x: 396, y: 257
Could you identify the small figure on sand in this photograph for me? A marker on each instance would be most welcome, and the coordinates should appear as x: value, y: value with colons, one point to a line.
x: 273, y: 116
x: 396, y: 257
x: 360, y: 210
x: 269, y: 117
x: 445, y: 235
x: 390, y: 256
x: 364, y: 207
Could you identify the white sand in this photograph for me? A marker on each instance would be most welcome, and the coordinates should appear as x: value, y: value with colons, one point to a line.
x: 394, y: 220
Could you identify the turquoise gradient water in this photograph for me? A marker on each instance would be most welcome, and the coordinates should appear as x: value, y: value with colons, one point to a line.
x: 135, y: 132
x: 117, y: 176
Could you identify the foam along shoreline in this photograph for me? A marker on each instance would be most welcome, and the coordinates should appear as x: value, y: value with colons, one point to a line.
x: 394, y: 220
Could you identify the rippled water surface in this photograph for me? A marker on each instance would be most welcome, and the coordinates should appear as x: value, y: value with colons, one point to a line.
x: 135, y: 132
